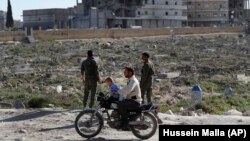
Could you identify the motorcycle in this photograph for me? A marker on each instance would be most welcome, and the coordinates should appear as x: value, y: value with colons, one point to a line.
x: 143, y: 122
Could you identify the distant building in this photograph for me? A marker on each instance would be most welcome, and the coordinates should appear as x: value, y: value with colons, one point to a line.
x: 129, y: 13
x: 138, y: 13
x: 247, y: 15
x: 46, y: 18
x: 18, y: 24
x: 2, y: 20
x: 247, y: 10
x: 236, y: 11
x: 207, y: 12
x: 161, y: 13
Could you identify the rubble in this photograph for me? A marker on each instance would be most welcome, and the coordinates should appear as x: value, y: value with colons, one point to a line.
x: 233, y: 112
x: 180, y: 62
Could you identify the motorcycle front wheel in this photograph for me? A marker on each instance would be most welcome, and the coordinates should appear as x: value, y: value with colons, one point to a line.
x: 148, y: 127
x: 88, y: 124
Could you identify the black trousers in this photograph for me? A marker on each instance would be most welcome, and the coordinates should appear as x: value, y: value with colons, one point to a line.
x: 110, y: 101
x: 124, y: 107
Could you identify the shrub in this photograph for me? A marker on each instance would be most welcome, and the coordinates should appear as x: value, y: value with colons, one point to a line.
x: 38, y: 102
x: 214, y: 104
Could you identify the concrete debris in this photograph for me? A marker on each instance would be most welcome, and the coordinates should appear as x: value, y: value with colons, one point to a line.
x: 247, y: 113
x: 59, y: 89
x: 169, y: 112
x: 233, y: 112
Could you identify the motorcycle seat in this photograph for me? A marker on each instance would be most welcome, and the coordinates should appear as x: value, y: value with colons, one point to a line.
x: 145, y: 106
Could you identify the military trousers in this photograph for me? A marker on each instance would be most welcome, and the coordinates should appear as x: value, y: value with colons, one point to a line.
x: 89, y: 88
x: 146, y: 89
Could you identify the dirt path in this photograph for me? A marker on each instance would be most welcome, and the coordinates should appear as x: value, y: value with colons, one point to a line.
x: 58, y: 125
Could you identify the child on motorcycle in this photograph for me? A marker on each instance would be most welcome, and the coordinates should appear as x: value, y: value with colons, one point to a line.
x: 113, y: 90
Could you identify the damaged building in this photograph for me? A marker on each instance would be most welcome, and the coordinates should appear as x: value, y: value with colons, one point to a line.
x: 111, y: 14
x: 236, y: 11
x: 2, y: 20
x: 138, y: 13
x: 154, y: 13
x: 46, y: 18
x: 247, y: 11
x: 207, y: 12
x: 129, y: 13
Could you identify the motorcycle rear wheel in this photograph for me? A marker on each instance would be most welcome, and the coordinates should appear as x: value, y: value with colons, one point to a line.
x: 138, y: 129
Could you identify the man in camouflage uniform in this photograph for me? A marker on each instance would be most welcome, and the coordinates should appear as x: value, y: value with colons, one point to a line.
x: 147, y: 73
x: 90, y: 77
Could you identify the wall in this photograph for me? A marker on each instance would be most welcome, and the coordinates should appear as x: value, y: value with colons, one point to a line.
x: 11, y: 36
x: 120, y: 33
x: 114, y: 33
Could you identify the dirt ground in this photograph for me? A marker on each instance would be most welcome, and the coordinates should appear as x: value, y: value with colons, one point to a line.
x: 58, y: 125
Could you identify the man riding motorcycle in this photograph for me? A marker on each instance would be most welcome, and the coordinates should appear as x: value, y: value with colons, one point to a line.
x: 140, y: 119
x: 133, y: 97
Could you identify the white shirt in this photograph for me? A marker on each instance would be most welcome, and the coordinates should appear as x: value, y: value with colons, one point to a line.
x: 132, y: 89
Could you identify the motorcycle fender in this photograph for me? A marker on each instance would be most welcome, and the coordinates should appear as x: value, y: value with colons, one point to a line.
x: 156, y: 116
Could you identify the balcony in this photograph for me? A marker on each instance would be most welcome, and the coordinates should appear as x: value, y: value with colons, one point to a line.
x: 162, y: 17
x: 178, y: 7
x: 180, y: 18
x: 208, y: 19
x: 208, y: 9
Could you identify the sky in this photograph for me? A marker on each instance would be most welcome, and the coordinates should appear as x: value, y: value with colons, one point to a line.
x: 19, y: 5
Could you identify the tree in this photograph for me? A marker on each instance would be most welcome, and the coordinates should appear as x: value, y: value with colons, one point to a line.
x: 9, y: 21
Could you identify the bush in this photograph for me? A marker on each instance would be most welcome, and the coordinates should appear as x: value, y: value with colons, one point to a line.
x: 209, y: 87
x: 219, y: 104
x: 38, y: 102
x: 214, y: 104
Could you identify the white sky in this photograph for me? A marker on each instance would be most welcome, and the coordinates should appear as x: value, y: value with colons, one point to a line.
x: 19, y: 5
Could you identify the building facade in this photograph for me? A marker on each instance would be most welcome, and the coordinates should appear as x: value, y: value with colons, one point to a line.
x: 46, y: 18
x: 129, y: 13
x: 139, y: 13
x: 247, y: 11
x: 236, y: 11
x: 162, y: 13
x: 207, y: 12
x: 2, y: 20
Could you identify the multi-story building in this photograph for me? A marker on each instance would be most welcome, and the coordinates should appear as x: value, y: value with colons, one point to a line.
x: 161, y: 13
x: 128, y: 13
x: 236, y: 11
x: 247, y: 10
x: 2, y: 20
x: 142, y: 13
x: 207, y: 12
x: 46, y: 18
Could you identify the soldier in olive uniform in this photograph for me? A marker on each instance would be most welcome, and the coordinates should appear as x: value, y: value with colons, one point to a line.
x: 147, y: 73
x: 90, y: 77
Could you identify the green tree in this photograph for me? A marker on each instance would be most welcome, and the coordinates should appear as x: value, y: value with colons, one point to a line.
x: 9, y: 21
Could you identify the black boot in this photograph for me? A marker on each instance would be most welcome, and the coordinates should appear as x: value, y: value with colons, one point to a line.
x: 124, y: 125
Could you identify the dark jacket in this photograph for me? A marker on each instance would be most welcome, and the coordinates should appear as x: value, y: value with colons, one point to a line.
x: 89, y: 69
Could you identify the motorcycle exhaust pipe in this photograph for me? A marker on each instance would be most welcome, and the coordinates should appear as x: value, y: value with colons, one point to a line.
x: 139, y: 123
